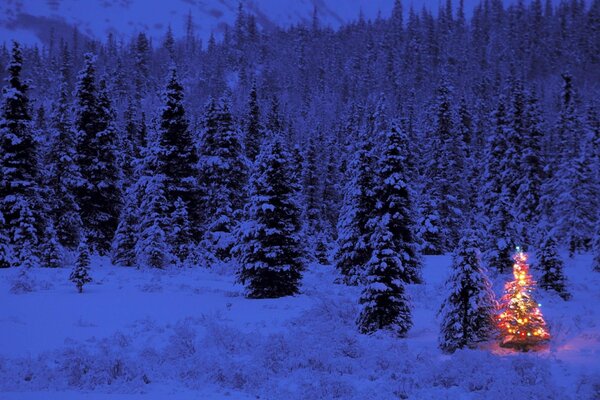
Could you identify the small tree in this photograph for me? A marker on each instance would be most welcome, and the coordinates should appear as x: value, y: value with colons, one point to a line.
x: 123, y: 245
x: 51, y: 249
x: 551, y: 265
x: 6, y: 256
x: 270, y: 252
x: 468, y: 311
x: 180, y: 232
x: 80, y: 274
x: 384, y: 304
x: 596, y: 248
x: 520, y: 320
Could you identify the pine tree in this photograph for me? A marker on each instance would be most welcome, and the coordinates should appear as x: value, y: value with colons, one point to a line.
x: 222, y: 169
x: 180, y: 232
x: 269, y: 249
x: 354, y: 247
x: 152, y: 249
x: 468, y: 311
x: 124, y: 241
x: 63, y: 174
x: 384, y: 303
x: 177, y: 158
x: 98, y: 194
x: 20, y: 201
x: 25, y: 235
x: 6, y: 254
x: 254, y: 130
x: 496, y: 199
x: 395, y: 201
x: 80, y: 275
x: 551, y: 266
x: 50, y: 248
x: 596, y: 247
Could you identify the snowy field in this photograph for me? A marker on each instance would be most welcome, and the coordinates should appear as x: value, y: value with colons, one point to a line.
x: 190, y: 334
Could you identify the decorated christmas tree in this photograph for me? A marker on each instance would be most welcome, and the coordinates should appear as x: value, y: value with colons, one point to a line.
x: 520, y: 321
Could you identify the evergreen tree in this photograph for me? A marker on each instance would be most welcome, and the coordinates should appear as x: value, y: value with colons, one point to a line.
x: 254, y: 130
x: 222, y: 175
x: 180, y: 232
x: 25, y: 235
x: 124, y: 241
x: 152, y: 249
x: 19, y: 195
x: 354, y: 247
x: 596, y: 247
x: 468, y: 311
x: 551, y: 266
x: 384, y: 303
x: 495, y: 196
x: 80, y: 275
x: 50, y: 248
x: 63, y: 174
x: 6, y: 254
x: 177, y: 157
x: 270, y: 252
x: 98, y: 194
x: 395, y: 201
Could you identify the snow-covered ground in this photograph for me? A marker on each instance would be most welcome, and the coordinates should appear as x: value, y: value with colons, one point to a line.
x: 190, y: 334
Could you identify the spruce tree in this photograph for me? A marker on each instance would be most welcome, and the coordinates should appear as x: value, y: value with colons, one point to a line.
x: 269, y: 249
x: 551, y: 265
x: 253, y: 129
x: 596, y: 247
x: 50, y: 248
x: 180, y: 232
x: 384, y: 303
x: 6, y: 253
x: 353, y: 244
x: 395, y: 201
x: 80, y: 275
x: 177, y: 158
x: 124, y: 241
x: 20, y: 201
x: 152, y: 249
x: 222, y: 169
x: 468, y: 312
x: 496, y: 198
x: 63, y: 174
x: 98, y: 194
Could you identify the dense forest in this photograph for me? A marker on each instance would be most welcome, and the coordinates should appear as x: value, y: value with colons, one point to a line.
x: 268, y: 148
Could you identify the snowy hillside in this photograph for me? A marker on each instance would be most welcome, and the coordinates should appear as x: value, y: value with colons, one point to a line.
x: 192, y: 334
x: 32, y: 20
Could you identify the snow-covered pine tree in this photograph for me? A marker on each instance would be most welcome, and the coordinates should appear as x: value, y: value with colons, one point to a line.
x: 6, y: 254
x: 80, y: 275
x: 495, y: 197
x: 51, y: 252
x: 551, y: 265
x: 353, y: 244
x: 180, y: 232
x: 124, y: 241
x: 311, y: 200
x: 20, y: 203
x: 253, y: 129
x: 25, y: 235
x: 384, y: 303
x: 596, y: 246
x: 177, y: 158
x: 529, y: 186
x: 269, y: 249
x: 63, y: 175
x: 467, y: 313
x: 98, y: 193
x: 152, y: 248
x: 395, y: 201
x: 222, y: 167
